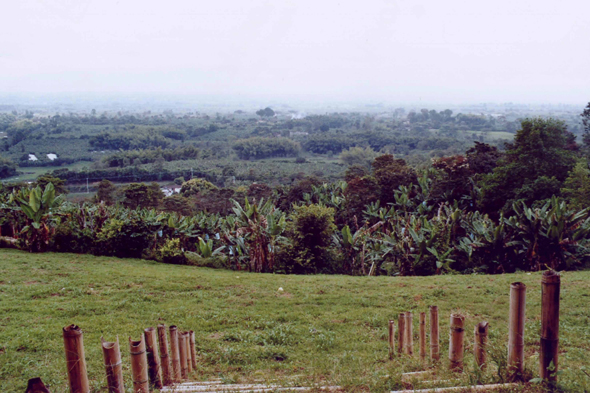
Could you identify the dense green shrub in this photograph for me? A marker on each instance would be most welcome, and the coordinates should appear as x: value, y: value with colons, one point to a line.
x: 310, y: 233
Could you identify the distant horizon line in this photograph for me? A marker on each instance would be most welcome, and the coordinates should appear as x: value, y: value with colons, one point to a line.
x: 239, y: 98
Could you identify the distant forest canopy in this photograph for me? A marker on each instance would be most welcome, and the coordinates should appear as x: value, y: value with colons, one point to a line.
x: 144, y: 146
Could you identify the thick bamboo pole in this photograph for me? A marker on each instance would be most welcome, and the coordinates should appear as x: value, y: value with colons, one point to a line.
x: 409, y: 337
x: 401, y: 331
x: 193, y: 349
x: 516, y: 330
x: 139, y: 369
x: 183, y: 355
x: 422, y: 335
x: 36, y: 385
x: 481, y: 342
x: 456, y: 342
x: 189, y: 360
x: 434, y: 336
x: 164, y: 357
x: 153, y: 357
x: 548, y: 357
x: 113, y: 366
x: 175, y: 354
x: 391, y: 339
x: 75, y: 360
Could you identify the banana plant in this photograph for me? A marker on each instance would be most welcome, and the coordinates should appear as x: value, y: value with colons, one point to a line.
x: 38, y: 206
x: 260, y: 226
x: 206, y: 249
x: 355, y: 247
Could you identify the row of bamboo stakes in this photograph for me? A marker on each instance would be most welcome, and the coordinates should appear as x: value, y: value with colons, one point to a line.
x: 154, y: 360
x: 548, y: 359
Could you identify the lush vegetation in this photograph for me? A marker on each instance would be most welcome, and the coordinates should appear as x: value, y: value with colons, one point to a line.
x: 483, y: 210
x: 291, y: 330
x: 388, y: 220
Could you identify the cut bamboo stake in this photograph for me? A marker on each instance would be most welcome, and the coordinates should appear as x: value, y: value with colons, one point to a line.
x: 164, y: 357
x: 409, y: 338
x: 139, y: 369
x: 189, y: 357
x: 434, y: 337
x: 548, y: 357
x: 36, y: 385
x: 153, y: 357
x: 75, y: 360
x: 391, y: 339
x: 112, y: 364
x: 401, y: 331
x: 516, y: 330
x: 183, y: 355
x: 175, y: 353
x: 481, y: 342
x: 422, y: 336
x: 456, y: 342
x: 193, y: 349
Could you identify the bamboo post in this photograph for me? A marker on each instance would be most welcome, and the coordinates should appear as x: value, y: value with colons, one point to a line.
x: 75, y: 360
x: 183, y: 355
x: 36, y: 385
x: 401, y: 331
x: 175, y: 353
x: 164, y: 357
x: 456, y: 342
x: 548, y: 357
x: 189, y: 358
x: 193, y: 349
x: 153, y: 357
x: 434, y: 337
x: 516, y: 330
x: 112, y: 364
x: 139, y: 369
x: 409, y: 338
x: 422, y: 336
x: 391, y: 329
x: 481, y: 342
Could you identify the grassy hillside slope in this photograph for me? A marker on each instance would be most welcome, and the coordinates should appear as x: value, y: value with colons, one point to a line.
x: 317, y: 329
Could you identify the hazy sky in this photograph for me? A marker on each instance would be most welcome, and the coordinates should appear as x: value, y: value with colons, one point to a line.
x: 395, y: 51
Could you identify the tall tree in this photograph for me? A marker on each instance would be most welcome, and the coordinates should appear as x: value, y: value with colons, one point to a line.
x: 534, y: 167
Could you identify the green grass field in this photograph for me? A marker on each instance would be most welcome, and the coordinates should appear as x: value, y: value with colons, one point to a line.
x: 317, y: 330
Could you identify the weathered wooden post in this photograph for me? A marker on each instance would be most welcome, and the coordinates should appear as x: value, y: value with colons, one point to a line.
x: 175, y: 353
x: 422, y: 336
x: 164, y: 357
x: 481, y: 342
x: 401, y: 331
x: 139, y: 368
x: 516, y: 330
x: 112, y: 364
x: 409, y: 336
x: 183, y: 355
x: 456, y: 342
x: 153, y: 357
x: 75, y: 360
x: 193, y: 349
x: 391, y: 329
x: 434, y: 336
x: 548, y: 357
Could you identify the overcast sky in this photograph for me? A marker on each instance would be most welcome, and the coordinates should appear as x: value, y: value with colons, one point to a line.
x: 451, y: 51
